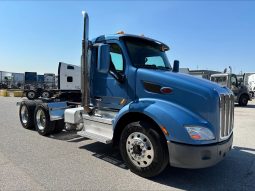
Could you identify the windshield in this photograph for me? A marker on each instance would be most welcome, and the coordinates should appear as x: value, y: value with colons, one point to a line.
x: 147, y: 54
x: 222, y: 80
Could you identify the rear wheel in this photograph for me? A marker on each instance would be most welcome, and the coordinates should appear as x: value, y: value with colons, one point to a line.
x: 42, y: 120
x: 26, y: 114
x: 143, y: 149
x: 31, y: 94
x: 45, y: 94
x: 243, y: 100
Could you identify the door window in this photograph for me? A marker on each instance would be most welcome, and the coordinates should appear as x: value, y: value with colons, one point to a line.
x: 233, y: 80
x: 69, y: 79
x: 116, y: 57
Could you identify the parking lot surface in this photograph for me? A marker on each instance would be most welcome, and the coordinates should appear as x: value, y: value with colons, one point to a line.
x: 66, y: 161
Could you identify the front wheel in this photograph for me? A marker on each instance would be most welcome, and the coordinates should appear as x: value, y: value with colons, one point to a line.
x: 143, y: 149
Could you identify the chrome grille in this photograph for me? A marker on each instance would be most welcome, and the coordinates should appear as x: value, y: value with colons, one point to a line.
x: 226, y: 115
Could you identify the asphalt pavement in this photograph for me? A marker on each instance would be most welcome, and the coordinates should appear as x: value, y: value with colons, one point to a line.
x: 66, y: 161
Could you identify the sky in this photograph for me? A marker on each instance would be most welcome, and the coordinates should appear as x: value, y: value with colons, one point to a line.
x: 213, y: 35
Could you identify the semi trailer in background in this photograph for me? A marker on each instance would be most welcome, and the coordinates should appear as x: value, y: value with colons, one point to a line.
x: 68, y: 84
x: 135, y: 100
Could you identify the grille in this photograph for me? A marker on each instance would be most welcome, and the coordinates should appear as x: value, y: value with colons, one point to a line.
x: 226, y: 115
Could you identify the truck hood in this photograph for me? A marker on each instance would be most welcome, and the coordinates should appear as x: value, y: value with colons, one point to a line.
x: 200, y: 96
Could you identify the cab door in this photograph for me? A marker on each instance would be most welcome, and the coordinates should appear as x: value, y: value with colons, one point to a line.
x: 110, y: 90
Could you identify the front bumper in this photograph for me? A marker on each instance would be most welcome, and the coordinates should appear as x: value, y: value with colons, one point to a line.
x: 198, y: 156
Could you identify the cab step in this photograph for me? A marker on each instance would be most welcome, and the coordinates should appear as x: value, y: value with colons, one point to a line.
x: 97, y: 127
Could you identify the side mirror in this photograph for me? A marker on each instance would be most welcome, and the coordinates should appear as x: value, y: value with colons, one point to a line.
x: 103, y: 58
x: 176, y: 66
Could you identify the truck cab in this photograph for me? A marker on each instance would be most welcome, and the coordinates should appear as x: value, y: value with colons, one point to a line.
x: 240, y: 91
x: 134, y: 99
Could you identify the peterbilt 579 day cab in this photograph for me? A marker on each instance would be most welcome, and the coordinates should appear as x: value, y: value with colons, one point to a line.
x: 133, y: 99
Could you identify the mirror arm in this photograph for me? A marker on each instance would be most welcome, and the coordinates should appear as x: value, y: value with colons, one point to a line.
x: 120, y: 78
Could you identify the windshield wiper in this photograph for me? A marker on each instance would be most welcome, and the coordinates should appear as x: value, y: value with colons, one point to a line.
x: 163, y: 67
x: 153, y: 66
x: 147, y: 66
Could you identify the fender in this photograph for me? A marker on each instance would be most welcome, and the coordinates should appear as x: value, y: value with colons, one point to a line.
x: 169, y: 115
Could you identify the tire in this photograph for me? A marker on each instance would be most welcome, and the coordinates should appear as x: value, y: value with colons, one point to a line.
x: 138, y: 139
x: 42, y: 120
x: 59, y: 126
x: 252, y: 94
x: 26, y: 114
x: 45, y: 94
x: 243, y: 100
x: 31, y: 95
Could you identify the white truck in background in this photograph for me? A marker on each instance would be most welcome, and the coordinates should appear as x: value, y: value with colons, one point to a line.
x: 69, y: 77
x: 249, y: 81
x: 68, y: 86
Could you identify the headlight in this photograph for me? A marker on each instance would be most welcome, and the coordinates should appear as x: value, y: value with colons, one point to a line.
x: 200, y: 133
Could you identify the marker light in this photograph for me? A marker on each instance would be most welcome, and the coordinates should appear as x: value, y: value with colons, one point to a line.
x: 164, y: 130
x: 120, y: 32
x: 200, y: 133
x: 166, y: 90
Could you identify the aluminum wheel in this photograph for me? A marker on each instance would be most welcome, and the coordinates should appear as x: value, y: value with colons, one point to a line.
x: 40, y: 119
x: 45, y: 94
x: 24, y: 114
x: 31, y: 94
x: 140, y: 150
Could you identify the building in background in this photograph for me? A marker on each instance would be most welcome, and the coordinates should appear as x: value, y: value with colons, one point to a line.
x: 206, y: 74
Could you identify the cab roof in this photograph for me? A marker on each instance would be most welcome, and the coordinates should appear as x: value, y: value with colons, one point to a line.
x: 103, y: 38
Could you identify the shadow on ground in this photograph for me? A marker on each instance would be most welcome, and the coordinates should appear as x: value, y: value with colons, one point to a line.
x: 235, y: 172
x: 69, y: 136
x: 106, y: 153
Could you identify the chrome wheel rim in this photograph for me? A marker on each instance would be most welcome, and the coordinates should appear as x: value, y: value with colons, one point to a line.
x: 31, y: 94
x: 24, y: 114
x: 40, y: 119
x: 139, y: 149
x: 45, y: 95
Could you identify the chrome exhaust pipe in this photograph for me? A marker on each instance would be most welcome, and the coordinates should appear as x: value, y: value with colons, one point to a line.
x: 85, y: 85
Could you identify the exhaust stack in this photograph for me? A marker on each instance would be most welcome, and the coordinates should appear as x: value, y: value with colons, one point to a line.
x: 230, y: 69
x: 85, y: 87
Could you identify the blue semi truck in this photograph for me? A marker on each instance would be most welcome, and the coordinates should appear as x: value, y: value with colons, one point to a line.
x: 135, y: 100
